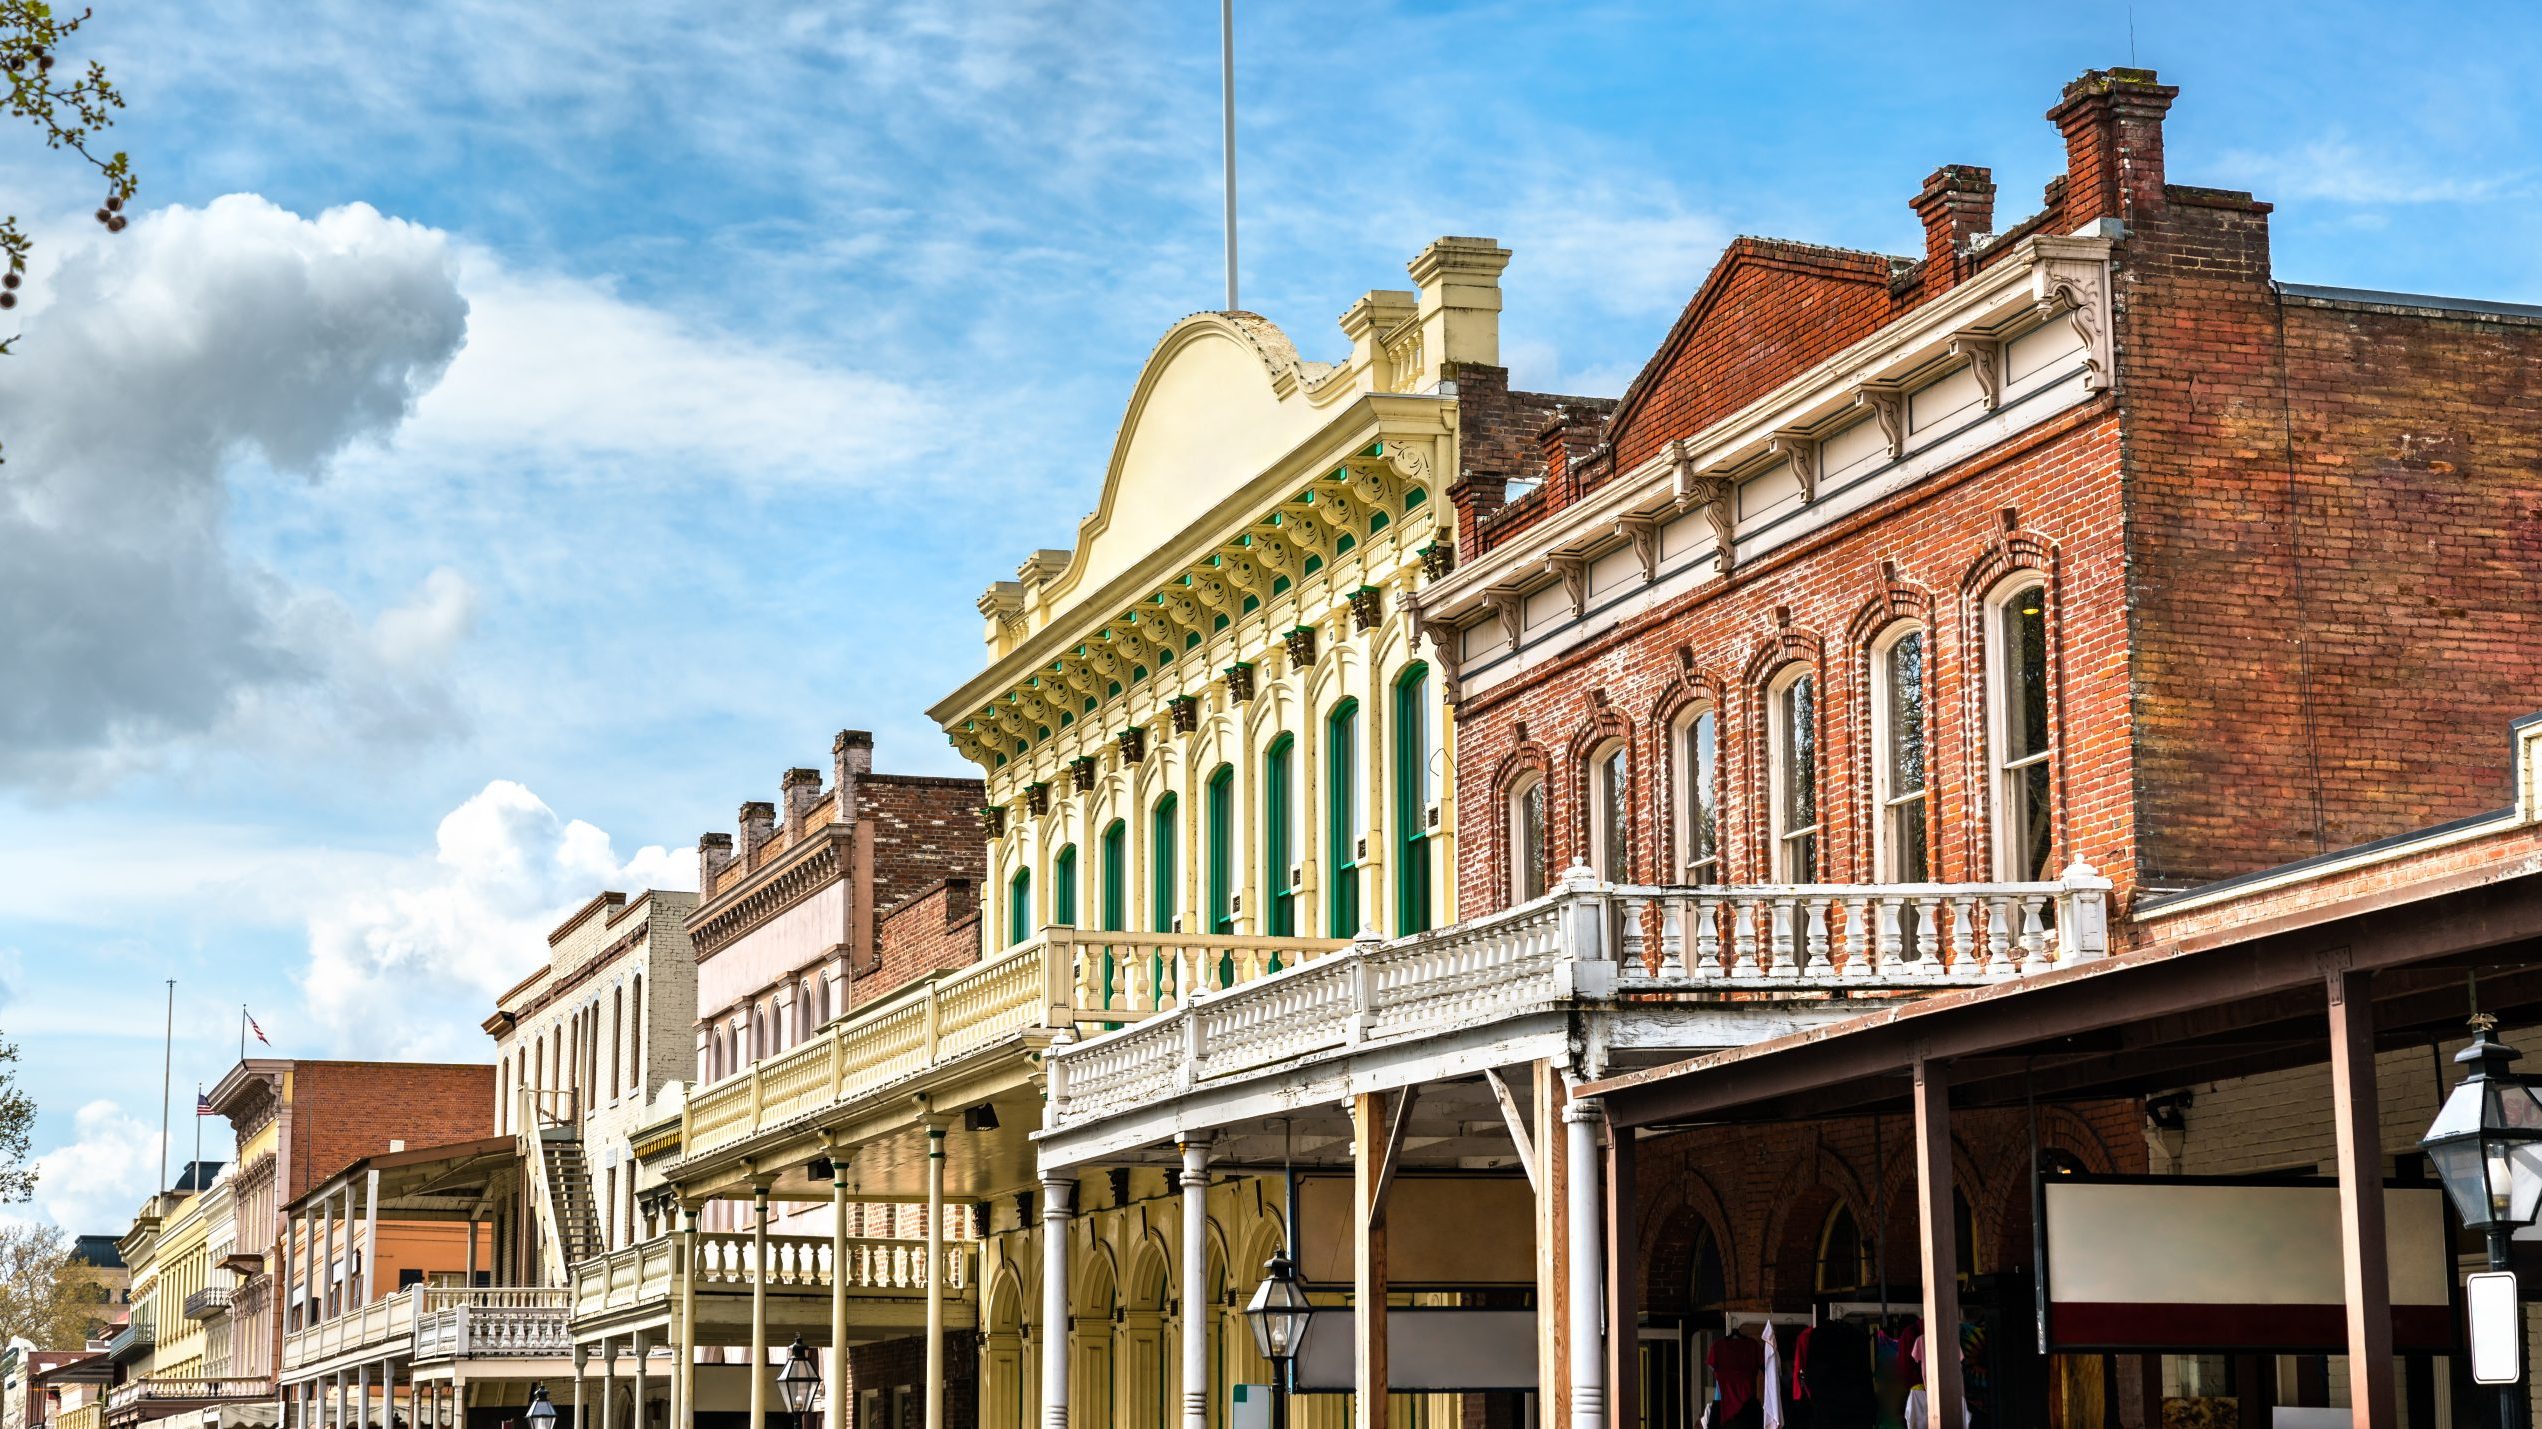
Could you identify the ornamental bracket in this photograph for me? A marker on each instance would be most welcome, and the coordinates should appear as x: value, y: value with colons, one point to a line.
x: 2079, y: 288
x: 1713, y: 492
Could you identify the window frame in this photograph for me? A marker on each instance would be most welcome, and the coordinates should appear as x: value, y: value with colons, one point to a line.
x: 1064, y: 886
x: 1343, y: 824
x: 1164, y: 841
x: 1690, y: 777
x: 2002, y: 774
x: 1610, y: 829
x: 1514, y: 833
x: 1218, y: 804
x: 1779, y: 759
x: 1279, y: 837
x: 1414, y: 727
x: 1885, y: 801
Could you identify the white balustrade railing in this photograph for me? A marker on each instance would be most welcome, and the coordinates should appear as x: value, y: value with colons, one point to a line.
x: 366, y: 1327
x: 1594, y: 941
x: 1058, y: 979
x: 163, y: 1389
x: 645, y: 1273
x: 492, y: 1322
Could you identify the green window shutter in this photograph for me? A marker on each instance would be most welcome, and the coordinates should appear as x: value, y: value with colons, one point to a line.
x: 1280, y: 913
x: 1341, y: 819
x: 1412, y: 829
x: 1019, y: 908
x: 1222, y: 850
x: 1116, y: 873
x: 1063, y: 887
x: 1161, y: 896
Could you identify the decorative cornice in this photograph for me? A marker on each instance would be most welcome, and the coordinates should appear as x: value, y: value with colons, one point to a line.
x: 814, y: 862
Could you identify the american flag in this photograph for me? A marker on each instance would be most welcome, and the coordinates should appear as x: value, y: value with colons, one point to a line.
x: 203, y: 1104
x: 252, y: 1027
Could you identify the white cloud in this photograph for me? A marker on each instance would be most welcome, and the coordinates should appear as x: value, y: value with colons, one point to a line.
x: 2336, y: 169
x: 407, y: 965
x: 96, y: 1180
x: 204, y: 337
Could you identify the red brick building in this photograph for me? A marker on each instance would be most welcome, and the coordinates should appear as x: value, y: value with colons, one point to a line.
x: 2077, y: 538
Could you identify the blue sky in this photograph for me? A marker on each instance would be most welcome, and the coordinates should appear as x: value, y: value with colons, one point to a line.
x: 673, y: 390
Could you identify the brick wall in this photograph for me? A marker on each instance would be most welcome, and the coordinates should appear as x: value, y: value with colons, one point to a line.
x: 925, y: 830
x: 902, y: 1364
x: 1931, y: 553
x: 937, y: 928
x: 344, y: 1111
x: 1764, y: 1194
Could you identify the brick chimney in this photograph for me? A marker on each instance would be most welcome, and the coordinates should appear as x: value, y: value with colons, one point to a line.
x: 852, y: 753
x: 758, y: 825
x: 798, y: 791
x: 2112, y: 120
x: 714, y: 855
x: 1571, y: 437
x: 1957, y: 204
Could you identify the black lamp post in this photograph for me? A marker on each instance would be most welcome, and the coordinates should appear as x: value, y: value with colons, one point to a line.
x: 542, y: 1410
x: 2486, y: 1142
x: 799, y: 1384
x: 1280, y: 1317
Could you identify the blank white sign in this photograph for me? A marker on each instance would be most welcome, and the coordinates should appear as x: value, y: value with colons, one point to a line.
x: 2497, y: 1328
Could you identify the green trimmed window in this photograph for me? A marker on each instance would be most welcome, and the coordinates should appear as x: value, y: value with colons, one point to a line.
x: 1416, y: 789
x: 1343, y: 823
x: 1063, y: 887
x: 1019, y: 907
x: 1161, y: 863
x: 1221, y: 811
x: 1279, y: 837
x: 1116, y: 877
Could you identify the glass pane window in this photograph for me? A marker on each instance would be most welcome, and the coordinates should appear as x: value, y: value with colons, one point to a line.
x: 2022, y: 735
x: 1162, y: 870
x: 1222, y: 850
x: 1610, y: 809
x: 1414, y: 793
x: 1899, y: 784
x: 1279, y: 839
x: 1343, y: 825
x: 1063, y: 887
x: 1699, y: 832
x: 1528, y: 878
x: 1796, y: 780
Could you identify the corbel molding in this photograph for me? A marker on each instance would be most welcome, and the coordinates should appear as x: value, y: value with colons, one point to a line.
x: 1712, y: 492
x: 1509, y: 606
x: 1447, y: 642
x: 1573, y: 571
x: 2078, y: 286
x: 1985, y: 358
x: 1887, y: 402
x: 1799, y: 451
x: 1643, y: 531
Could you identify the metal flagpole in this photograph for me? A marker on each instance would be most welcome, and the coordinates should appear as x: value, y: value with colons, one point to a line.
x: 198, y: 1131
x: 242, y: 1032
x: 1227, y: 86
x: 167, y: 1067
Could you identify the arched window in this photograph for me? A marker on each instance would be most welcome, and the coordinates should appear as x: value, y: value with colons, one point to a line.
x: 1416, y: 790
x: 1844, y: 1258
x: 2025, y: 822
x: 1221, y: 818
x: 1063, y: 887
x: 1698, y: 736
x: 636, y: 1077
x: 1019, y: 907
x: 1116, y: 877
x: 1279, y: 838
x: 1611, y: 813
x: 1528, y: 876
x: 1900, y: 830
x: 1162, y: 898
x: 617, y: 1042
x: 1792, y: 720
x: 1343, y: 824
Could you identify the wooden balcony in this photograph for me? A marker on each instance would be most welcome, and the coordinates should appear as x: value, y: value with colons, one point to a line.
x: 1060, y: 980
x: 157, y: 1397
x: 637, y: 1286
x: 434, y: 1322
x: 1587, y: 944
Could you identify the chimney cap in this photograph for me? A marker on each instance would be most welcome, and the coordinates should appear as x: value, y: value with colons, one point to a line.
x: 853, y: 739
x: 800, y: 776
x: 722, y: 841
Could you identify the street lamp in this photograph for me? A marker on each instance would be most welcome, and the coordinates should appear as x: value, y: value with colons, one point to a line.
x: 542, y: 1411
x: 800, y: 1382
x: 2486, y: 1142
x: 1280, y: 1317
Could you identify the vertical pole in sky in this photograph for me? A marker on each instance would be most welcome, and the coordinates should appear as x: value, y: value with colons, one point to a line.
x: 1227, y: 87
x: 167, y: 1064
x: 198, y: 1129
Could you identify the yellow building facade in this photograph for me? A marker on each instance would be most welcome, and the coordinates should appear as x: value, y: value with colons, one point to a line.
x: 1212, y: 715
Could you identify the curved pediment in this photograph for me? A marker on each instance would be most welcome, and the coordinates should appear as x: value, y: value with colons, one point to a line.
x: 1222, y: 398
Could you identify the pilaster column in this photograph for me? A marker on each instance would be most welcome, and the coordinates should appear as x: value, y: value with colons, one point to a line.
x: 1195, y: 1295
x: 1580, y: 1120
x: 935, y: 1274
x: 608, y: 1383
x: 1058, y: 1194
x: 836, y: 1390
x: 759, y: 1306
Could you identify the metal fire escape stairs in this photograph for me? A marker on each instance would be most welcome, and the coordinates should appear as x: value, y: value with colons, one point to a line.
x: 560, y: 1183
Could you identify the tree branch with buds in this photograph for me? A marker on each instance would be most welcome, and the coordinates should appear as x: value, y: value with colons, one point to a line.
x: 69, y: 107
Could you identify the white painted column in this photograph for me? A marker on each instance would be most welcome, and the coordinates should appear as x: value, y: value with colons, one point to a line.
x: 582, y: 1359
x: 759, y: 1307
x: 836, y: 1390
x: 935, y: 1274
x: 1588, y: 1264
x: 642, y: 1348
x: 362, y: 1395
x: 1058, y: 1193
x: 1195, y: 1294
x: 684, y: 1329
x: 370, y: 1234
x: 608, y: 1383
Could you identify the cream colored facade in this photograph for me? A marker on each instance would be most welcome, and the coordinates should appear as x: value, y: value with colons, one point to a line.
x: 1238, y: 599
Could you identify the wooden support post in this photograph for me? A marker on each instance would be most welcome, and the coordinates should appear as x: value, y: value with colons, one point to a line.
x: 1369, y: 1138
x: 758, y: 1304
x: 1553, y: 1249
x: 1938, y: 1237
x: 2365, y: 1269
